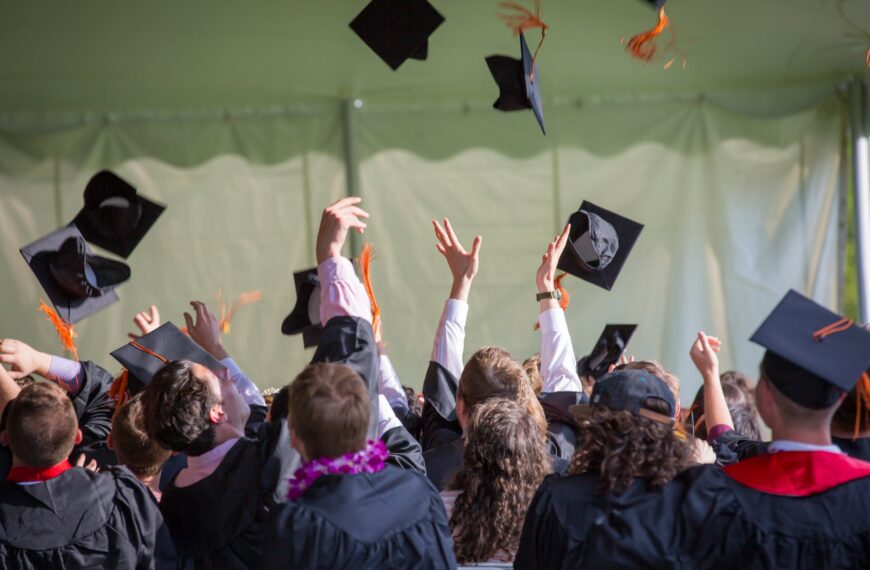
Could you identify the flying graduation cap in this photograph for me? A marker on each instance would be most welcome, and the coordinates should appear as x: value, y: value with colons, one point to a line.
x: 77, y: 282
x: 813, y: 354
x: 607, y: 351
x: 518, y: 80
x: 598, y: 245
x: 115, y: 217
x: 397, y: 30
x: 304, y: 319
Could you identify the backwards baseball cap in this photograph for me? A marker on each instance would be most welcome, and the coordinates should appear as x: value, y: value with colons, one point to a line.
x: 813, y: 355
x: 630, y: 391
x: 598, y: 245
x: 519, y: 82
x: 305, y: 317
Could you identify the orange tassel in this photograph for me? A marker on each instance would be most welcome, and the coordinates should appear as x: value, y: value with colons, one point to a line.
x: 867, y: 56
x: 863, y: 393
x: 523, y: 19
x: 65, y: 331
x: 365, y: 262
x: 118, y: 390
x: 242, y: 300
x: 643, y: 46
x: 566, y: 298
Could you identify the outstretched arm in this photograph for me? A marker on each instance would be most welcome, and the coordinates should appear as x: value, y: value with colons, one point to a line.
x: 558, y: 363
x: 703, y: 354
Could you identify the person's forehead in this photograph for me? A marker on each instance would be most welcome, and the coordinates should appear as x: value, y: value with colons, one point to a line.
x: 204, y: 374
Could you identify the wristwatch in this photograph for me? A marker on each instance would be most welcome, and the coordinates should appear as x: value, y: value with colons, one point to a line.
x: 557, y: 295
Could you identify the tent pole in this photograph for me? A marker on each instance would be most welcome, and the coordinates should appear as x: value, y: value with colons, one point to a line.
x: 861, y: 185
x: 351, y: 171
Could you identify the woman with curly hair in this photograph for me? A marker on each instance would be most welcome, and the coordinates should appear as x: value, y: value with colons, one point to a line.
x: 505, y: 460
x: 628, y: 453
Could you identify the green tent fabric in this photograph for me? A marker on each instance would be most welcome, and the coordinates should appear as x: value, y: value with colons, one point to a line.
x: 248, y: 120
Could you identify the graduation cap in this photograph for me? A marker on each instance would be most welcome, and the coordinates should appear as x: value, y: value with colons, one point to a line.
x: 813, y: 354
x: 147, y: 355
x: 519, y: 82
x: 115, y: 217
x: 397, y: 29
x: 305, y: 316
x: 598, y: 245
x: 656, y: 3
x: 607, y: 351
x: 77, y: 282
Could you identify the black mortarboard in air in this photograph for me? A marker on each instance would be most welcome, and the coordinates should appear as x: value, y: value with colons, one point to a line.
x: 598, y: 245
x: 77, y: 282
x: 656, y: 3
x: 813, y: 354
x: 607, y: 351
x: 397, y: 29
x: 305, y: 316
x: 519, y: 83
x: 115, y: 217
x: 148, y: 354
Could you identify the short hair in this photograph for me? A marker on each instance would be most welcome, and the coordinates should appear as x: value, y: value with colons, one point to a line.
x: 41, y: 425
x: 176, y: 405
x: 491, y: 372
x: 329, y: 410
x: 280, y: 404
x: 657, y: 370
x: 141, y: 454
x: 532, y: 366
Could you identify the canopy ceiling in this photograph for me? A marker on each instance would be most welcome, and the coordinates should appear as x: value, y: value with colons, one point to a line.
x: 104, y: 55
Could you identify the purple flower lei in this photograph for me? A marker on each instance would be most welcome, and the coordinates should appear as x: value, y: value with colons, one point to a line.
x: 368, y: 460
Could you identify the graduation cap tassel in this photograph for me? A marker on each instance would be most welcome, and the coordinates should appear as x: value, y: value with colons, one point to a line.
x: 118, y: 390
x: 365, y: 262
x: 65, y: 331
x: 523, y: 19
x: 227, y: 315
x: 566, y: 298
x: 644, y: 46
x: 863, y: 404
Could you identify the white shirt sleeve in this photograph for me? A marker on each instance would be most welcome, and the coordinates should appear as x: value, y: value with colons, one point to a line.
x: 387, y: 419
x: 246, y: 388
x: 450, y: 337
x: 558, y: 364
x: 389, y: 385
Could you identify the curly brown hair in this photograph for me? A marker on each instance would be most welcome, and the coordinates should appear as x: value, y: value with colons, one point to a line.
x: 621, y: 446
x: 505, y: 461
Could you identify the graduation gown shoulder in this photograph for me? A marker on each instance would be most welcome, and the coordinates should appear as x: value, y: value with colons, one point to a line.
x: 391, y: 519
x: 79, y: 519
x: 858, y: 448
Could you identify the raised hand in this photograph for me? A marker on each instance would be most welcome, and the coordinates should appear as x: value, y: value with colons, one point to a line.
x: 335, y: 222
x: 463, y: 264
x: 146, y: 322
x: 206, y: 331
x: 546, y: 274
x: 703, y: 354
x: 23, y: 359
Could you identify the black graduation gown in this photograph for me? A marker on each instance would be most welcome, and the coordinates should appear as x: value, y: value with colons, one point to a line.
x: 79, y: 519
x: 857, y: 448
x: 392, y: 519
x: 732, y: 447
x: 707, y: 517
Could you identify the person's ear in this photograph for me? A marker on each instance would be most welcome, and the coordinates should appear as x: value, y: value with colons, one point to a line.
x: 217, y: 415
x: 78, y: 436
x: 110, y: 442
x: 298, y: 445
x: 460, y: 413
x: 4, y: 438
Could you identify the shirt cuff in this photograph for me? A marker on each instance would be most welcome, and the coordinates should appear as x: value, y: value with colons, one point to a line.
x: 552, y: 320
x: 456, y: 311
x: 64, y: 370
x: 387, y: 419
x: 341, y: 292
x: 718, y: 431
x: 244, y: 385
x: 389, y: 384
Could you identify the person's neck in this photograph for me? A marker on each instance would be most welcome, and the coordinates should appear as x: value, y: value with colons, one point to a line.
x: 226, y: 432
x: 153, y: 484
x: 811, y: 435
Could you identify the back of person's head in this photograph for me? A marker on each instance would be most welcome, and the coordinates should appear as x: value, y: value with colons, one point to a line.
x: 143, y: 456
x: 657, y: 370
x: 532, y: 366
x: 41, y: 425
x: 280, y: 404
x: 176, y: 405
x: 505, y: 460
x: 788, y: 394
x: 491, y: 372
x: 621, y: 445
x: 737, y: 388
x: 329, y: 410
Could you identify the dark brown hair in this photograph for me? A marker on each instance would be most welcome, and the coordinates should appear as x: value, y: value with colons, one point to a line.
x: 620, y: 447
x: 138, y: 452
x: 740, y: 398
x: 41, y: 425
x: 532, y: 366
x: 505, y: 461
x: 329, y: 410
x: 176, y: 405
